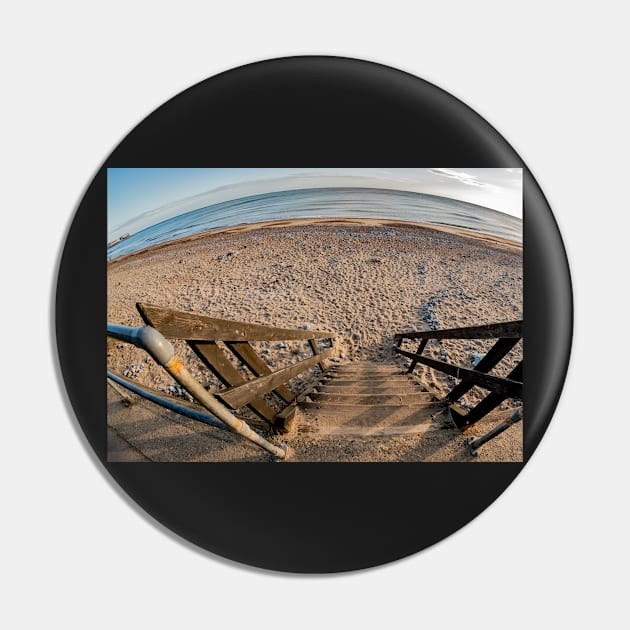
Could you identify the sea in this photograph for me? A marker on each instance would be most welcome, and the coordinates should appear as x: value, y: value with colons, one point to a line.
x: 364, y: 203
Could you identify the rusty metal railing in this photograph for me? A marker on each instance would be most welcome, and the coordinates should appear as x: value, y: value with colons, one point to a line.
x: 152, y: 341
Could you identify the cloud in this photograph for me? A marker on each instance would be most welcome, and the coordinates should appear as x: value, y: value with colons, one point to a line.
x: 463, y: 178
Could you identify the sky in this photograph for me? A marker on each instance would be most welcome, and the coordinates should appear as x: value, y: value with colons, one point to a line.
x: 140, y: 197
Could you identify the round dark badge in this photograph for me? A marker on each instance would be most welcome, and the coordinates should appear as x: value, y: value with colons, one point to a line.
x: 314, y: 314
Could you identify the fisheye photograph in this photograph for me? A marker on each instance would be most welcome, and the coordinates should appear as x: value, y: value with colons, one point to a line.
x: 315, y: 315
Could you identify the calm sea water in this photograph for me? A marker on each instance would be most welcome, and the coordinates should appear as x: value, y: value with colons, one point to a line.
x: 367, y: 203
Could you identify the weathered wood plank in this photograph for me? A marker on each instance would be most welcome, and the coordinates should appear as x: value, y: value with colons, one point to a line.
x: 315, y: 349
x: 178, y: 325
x: 494, y: 355
x: 482, y: 408
x: 300, y: 398
x: 504, y: 386
x: 288, y: 411
x: 285, y: 419
x: 241, y: 395
x: 420, y: 350
x: 486, y: 405
x: 245, y: 353
x: 487, y: 331
x: 213, y: 357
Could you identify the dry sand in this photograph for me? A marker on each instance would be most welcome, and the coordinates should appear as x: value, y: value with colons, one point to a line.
x: 365, y: 280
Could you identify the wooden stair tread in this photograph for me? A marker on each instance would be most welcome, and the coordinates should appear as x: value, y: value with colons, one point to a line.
x: 382, y: 382
x: 377, y: 388
x: 373, y: 413
x: 369, y: 400
x: 363, y: 371
x: 372, y: 398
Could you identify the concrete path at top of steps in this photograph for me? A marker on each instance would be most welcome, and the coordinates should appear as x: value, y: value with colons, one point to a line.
x: 148, y: 432
x: 369, y: 399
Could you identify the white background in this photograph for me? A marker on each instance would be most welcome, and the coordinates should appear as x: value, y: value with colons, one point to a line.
x: 553, y: 550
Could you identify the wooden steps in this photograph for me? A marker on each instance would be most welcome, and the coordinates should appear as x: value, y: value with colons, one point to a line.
x: 363, y: 398
x: 346, y: 381
x: 369, y: 399
x: 368, y: 389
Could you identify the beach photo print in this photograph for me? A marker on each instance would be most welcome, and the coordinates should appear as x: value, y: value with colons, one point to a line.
x: 315, y: 314
x: 361, y: 325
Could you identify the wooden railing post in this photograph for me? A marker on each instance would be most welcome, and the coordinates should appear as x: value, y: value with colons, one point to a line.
x: 315, y: 349
x: 508, y: 334
x: 420, y: 349
x: 203, y: 334
x: 496, y: 353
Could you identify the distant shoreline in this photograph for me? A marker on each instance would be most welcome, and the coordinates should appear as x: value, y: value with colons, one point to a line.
x: 247, y: 227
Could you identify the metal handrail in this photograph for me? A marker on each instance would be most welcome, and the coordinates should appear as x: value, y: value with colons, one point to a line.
x: 168, y: 402
x: 152, y: 341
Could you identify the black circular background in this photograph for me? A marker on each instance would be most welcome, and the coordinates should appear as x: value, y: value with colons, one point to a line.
x: 326, y: 112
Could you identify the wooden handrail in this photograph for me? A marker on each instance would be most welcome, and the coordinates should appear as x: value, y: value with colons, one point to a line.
x: 508, y: 334
x: 163, y: 353
x: 506, y: 330
x: 193, y: 327
x: 503, y: 386
x: 239, y: 396
x: 203, y: 334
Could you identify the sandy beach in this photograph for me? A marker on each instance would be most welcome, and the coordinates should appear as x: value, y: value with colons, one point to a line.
x: 364, y: 280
